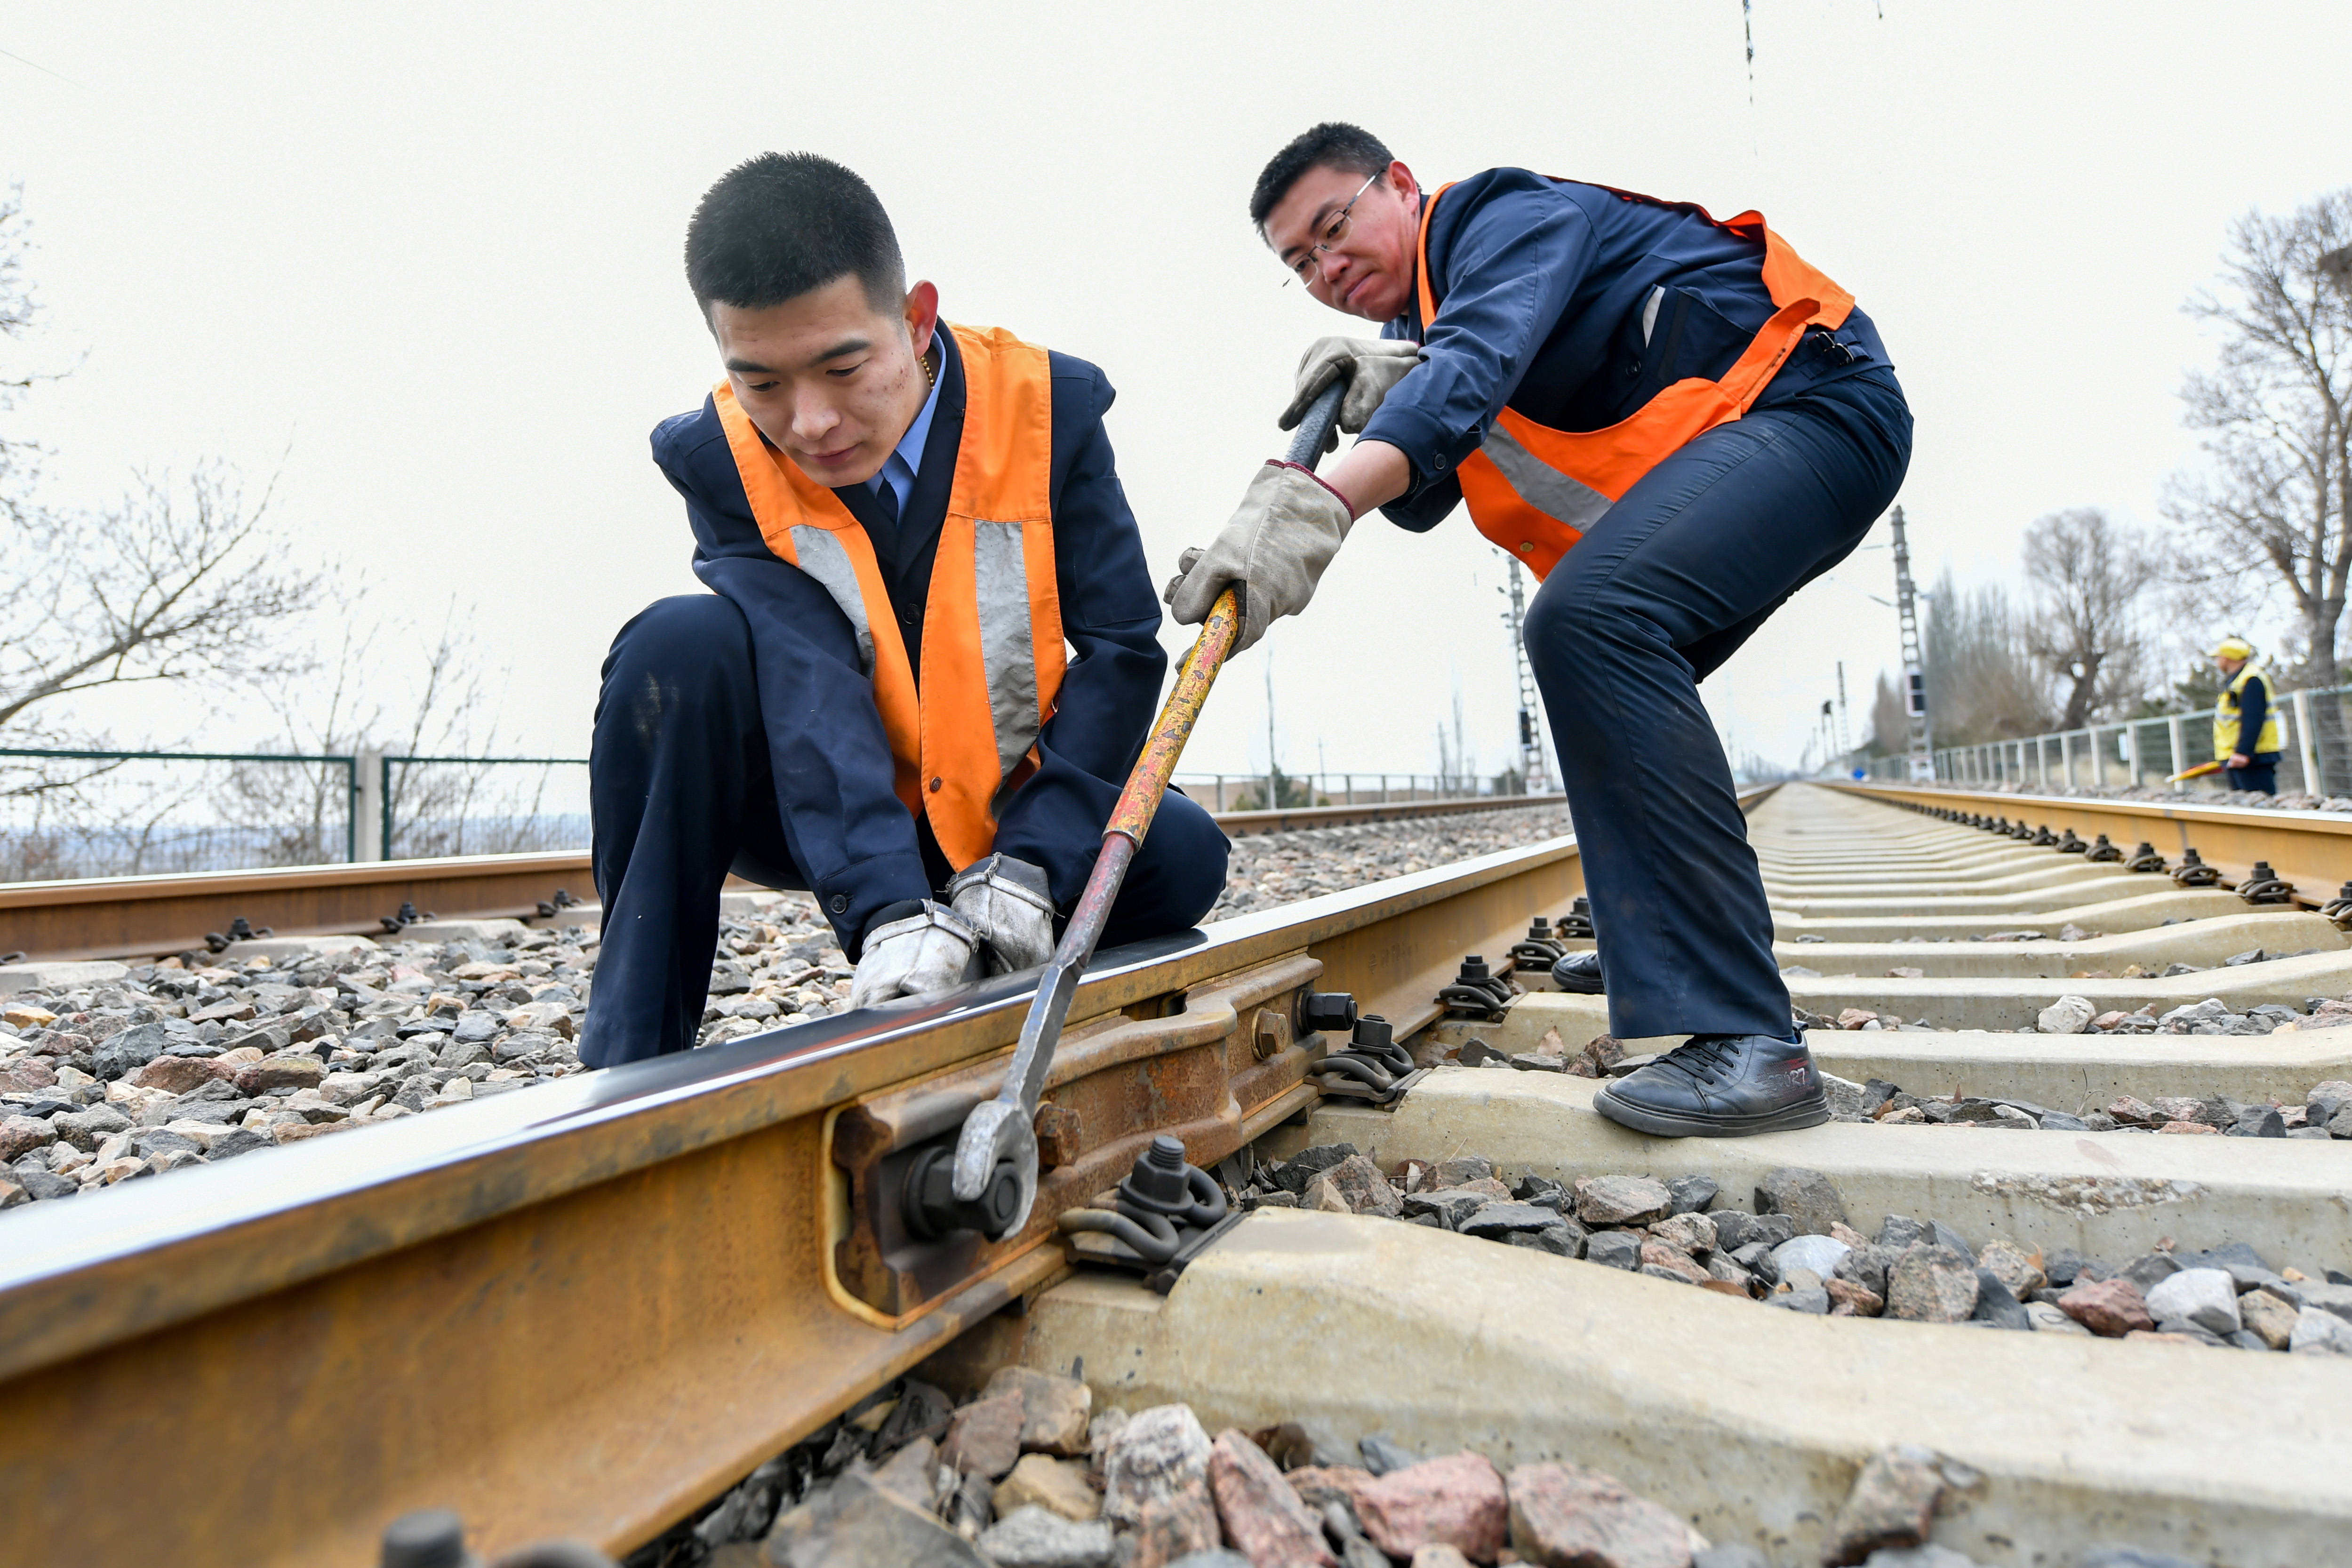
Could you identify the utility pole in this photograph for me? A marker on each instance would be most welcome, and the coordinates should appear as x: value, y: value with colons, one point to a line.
x: 1533, y: 776
x: 1844, y: 734
x: 1914, y: 670
x: 1272, y: 772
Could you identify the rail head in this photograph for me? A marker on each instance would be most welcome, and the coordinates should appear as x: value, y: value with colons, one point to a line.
x: 2331, y: 823
x: 2311, y: 849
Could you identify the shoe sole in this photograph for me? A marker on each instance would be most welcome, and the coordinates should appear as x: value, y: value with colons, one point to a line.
x: 1672, y: 1124
x: 1579, y: 987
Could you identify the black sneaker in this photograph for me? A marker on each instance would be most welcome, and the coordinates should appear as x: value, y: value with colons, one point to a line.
x: 1579, y: 972
x: 1719, y: 1086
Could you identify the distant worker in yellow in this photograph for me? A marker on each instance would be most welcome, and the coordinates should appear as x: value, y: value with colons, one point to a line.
x: 2246, y: 707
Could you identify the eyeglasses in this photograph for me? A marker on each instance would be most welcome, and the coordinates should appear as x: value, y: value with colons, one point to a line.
x: 1307, y: 268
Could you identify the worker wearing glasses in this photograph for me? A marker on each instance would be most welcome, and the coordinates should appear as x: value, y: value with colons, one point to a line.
x: 1675, y: 422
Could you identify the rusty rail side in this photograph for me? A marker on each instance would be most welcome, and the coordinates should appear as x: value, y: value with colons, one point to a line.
x: 2312, y: 849
x: 585, y: 1308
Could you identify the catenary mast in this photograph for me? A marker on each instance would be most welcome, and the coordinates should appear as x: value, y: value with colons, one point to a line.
x: 1914, y: 671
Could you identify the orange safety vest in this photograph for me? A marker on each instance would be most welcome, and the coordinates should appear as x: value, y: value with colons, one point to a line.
x: 1536, y: 491
x: 992, y: 654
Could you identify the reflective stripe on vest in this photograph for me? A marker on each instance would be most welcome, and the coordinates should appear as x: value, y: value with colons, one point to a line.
x: 1536, y: 491
x: 2228, y: 719
x: 992, y: 654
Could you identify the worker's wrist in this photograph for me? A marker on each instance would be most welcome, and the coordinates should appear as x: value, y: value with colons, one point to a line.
x: 1339, y: 494
x: 1373, y: 473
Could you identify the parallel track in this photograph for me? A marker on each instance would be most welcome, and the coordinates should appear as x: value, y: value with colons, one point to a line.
x: 114, y: 916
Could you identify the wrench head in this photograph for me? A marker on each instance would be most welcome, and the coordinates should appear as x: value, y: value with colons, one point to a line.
x: 997, y: 1130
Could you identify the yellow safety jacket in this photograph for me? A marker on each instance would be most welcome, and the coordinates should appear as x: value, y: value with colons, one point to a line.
x: 992, y: 655
x: 2226, y: 723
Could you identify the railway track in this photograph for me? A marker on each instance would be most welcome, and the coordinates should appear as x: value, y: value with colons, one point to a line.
x: 117, y: 917
x: 594, y: 1309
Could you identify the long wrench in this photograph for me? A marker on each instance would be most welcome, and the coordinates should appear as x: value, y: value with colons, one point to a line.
x: 1004, y: 1128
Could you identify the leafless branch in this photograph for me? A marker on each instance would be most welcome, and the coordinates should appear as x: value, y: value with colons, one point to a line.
x: 175, y: 582
x: 2275, y: 495
x: 2089, y: 575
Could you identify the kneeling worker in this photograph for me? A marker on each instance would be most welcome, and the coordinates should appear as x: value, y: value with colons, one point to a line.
x: 1675, y: 422
x: 2246, y: 707
x: 931, y: 654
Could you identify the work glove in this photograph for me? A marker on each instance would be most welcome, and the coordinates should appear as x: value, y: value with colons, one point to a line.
x: 1372, y: 366
x: 1283, y: 534
x: 920, y: 954
x: 1007, y: 902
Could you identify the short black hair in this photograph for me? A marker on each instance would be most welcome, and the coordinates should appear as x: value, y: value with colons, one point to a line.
x: 1334, y: 144
x: 780, y: 225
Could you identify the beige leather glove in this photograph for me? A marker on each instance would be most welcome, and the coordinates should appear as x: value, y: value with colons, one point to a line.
x: 1008, y: 902
x: 1372, y: 366
x: 921, y: 955
x: 1283, y: 535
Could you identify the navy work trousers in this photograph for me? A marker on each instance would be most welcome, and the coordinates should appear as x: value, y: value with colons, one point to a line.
x: 2259, y: 776
x: 1669, y: 582
x: 681, y: 793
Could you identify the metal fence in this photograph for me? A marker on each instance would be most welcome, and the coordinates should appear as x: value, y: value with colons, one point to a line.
x: 428, y: 807
x: 68, y: 813
x: 2146, y: 753
x: 128, y: 814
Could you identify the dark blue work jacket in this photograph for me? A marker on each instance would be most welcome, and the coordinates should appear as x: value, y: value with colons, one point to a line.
x: 855, y: 840
x: 1542, y: 293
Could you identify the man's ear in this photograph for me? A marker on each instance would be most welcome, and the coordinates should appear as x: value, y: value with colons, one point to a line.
x: 1399, y: 180
x: 922, y: 312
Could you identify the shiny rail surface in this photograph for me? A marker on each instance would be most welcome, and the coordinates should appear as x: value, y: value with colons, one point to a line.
x: 583, y: 1310
x: 2312, y: 849
x: 113, y: 917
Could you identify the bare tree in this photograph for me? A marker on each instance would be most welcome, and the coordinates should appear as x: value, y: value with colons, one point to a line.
x: 17, y: 310
x: 2277, y: 492
x: 176, y: 582
x: 1890, y: 720
x: 1983, y: 681
x: 2089, y: 575
x: 298, y: 812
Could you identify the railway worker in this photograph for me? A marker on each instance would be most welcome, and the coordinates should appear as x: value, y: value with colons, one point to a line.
x: 1707, y: 420
x: 2245, y: 709
x: 930, y: 652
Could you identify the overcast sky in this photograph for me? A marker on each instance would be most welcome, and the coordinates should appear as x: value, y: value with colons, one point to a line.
x: 423, y: 259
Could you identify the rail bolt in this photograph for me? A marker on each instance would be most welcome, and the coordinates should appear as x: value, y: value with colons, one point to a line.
x: 430, y: 1538
x: 239, y: 929
x: 932, y: 1209
x: 1477, y: 992
x: 2193, y: 872
x: 1322, y: 1012
x: 2266, y: 887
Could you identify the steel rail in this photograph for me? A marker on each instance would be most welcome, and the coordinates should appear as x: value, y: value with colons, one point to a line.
x: 111, y: 917
x: 585, y: 1308
x: 2311, y: 849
